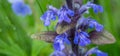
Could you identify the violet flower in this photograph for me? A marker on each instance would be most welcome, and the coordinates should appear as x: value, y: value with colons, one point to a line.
x: 89, y: 23
x: 96, y: 51
x: 59, y: 42
x: 49, y: 15
x: 96, y: 8
x: 64, y: 13
x: 21, y: 9
x: 93, y: 24
x: 81, y: 38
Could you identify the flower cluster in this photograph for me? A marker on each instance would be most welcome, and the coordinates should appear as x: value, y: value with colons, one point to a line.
x: 81, y: 36
x: 20, y: 8
x: 52, y: 12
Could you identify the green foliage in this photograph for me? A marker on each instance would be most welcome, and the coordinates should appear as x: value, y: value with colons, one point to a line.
x: 15, y: 31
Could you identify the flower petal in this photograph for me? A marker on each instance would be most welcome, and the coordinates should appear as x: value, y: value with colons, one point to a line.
x: 96, y: 51
x: 58, y: 53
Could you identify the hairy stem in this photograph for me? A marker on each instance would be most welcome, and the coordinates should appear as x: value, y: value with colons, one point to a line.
x: 70, y: 4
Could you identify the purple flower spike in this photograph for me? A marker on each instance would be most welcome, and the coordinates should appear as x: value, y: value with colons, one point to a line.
x: 63, y: 15
x: 96, y: 51
x: 49, y: 15
x: 81, y: 38
x: 21, y: 9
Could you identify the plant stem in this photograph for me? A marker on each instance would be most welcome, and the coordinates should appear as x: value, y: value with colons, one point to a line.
x: 40, y: 6
x: 70, y: 4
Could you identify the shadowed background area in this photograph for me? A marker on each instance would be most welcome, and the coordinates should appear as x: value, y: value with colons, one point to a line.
x: 15, y: 31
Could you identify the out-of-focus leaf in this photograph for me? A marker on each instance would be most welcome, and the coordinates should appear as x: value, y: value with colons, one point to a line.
x: 37, y: 47
x: 15, y: 39
x: 103, y: 37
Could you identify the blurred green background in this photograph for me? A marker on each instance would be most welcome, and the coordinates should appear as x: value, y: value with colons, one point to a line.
x: 15, y: 31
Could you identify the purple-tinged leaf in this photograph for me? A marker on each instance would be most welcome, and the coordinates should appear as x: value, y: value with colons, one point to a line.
x: 47, y: 36
x: 63, y: 27
x: 103, y: 37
